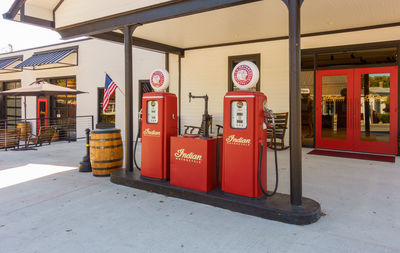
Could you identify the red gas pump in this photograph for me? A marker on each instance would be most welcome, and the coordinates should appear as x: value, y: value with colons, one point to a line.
x: 159, y: 123
x: 244, y: 132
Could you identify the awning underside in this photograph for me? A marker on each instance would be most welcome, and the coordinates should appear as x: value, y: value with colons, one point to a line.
x: 46, y: 58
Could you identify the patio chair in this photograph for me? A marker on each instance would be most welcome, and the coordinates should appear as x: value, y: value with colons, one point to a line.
x: 9, y: 138
x: 281, y: 120
x: 46, y: 134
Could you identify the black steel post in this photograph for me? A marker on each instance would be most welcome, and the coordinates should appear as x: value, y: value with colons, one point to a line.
x: 84, y: 165
x: 295, y: 102
x: 128, y: 32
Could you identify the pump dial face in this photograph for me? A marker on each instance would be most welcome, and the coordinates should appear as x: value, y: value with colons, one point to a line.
x: 239, y: 114
x: 152, y: 112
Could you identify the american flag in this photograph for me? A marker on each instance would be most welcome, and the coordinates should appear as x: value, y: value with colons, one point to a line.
x: 109, y: 89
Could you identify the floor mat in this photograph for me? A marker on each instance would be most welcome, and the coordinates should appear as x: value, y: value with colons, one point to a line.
x: 371, y: 157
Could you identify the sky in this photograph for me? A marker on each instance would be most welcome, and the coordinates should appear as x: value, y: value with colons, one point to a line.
x: 23, y: 36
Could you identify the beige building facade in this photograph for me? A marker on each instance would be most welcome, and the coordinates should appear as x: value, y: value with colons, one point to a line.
x: 92, y: 59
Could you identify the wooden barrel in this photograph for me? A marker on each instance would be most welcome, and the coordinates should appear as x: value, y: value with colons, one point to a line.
x: 24, y: 128
x: 106, y: 152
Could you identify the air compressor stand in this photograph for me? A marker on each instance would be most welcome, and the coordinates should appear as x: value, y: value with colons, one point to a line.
x: 206, y: 117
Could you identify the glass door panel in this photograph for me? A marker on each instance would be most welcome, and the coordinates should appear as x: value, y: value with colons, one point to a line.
x: 376, y: 115
x: 375, y: 107
x: 334, y: 107
x: 333, y: 112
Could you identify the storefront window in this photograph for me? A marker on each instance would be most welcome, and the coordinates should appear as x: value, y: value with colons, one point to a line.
x: 106, y: 119
x: 11, y: 105
x: 357, y: 57
x: 64, y: 106
x: 307, y: 107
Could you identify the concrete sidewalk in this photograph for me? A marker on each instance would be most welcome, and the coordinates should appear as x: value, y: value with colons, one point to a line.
x: 46, y: 205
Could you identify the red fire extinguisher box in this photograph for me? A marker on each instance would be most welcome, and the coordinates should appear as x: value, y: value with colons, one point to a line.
x: 194, y: 163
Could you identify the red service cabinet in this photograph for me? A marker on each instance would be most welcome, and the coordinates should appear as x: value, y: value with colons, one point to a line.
x: 194, y: 163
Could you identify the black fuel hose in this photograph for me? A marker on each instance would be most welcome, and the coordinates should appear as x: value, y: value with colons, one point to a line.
x: 134, y: 149
x: 276, y: 167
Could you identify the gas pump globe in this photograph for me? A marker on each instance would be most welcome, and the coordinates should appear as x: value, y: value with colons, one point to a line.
x: 159, y: 123
x: 245, y: 75
x: 159, y: 80
x: 243, y: 134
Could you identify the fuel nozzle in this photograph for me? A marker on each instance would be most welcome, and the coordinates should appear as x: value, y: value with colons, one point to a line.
x: 269, y: 114
x: 140, y: 114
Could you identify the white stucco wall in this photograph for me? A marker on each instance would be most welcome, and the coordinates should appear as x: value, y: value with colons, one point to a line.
x: 205, y: 71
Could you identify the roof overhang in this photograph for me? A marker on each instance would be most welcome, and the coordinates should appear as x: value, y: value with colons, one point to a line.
x: 39, y: 13
x: 177, y: 25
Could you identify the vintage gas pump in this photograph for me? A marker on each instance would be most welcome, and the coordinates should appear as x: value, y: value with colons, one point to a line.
x: 244, y: 136
x: 158, y: 124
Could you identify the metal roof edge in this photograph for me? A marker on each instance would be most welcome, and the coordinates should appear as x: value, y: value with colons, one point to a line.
x: 39, y: 47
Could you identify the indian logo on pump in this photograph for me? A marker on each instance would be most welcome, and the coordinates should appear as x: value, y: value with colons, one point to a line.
x: 232, y: 139
x: 157, y: 79
x: 149, y: 132
x: 187, y: 157
x: 243, y: 75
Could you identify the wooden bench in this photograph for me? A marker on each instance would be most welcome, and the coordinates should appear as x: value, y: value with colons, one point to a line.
x: 281, y: 121
x: 46, y: 134
x: 9, y: 138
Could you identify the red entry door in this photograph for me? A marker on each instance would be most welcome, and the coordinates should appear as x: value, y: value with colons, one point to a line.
x: 42, y: 112
x: 334, y: 109
x: 356, y: 109
x: 376, y: 110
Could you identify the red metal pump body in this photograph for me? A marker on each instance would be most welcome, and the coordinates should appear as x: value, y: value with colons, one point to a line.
x: 243, y: 133
x: 159, y: 123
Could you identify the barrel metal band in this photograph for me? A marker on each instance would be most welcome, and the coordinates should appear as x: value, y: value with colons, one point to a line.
x: 111, y: 139
x: 108, y: 161
x: 108, y: 168
x: 105, y: 147
x: 108, y: 131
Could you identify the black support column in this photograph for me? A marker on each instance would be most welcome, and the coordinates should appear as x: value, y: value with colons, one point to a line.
x: 295, y: 102
x: 128, y: 31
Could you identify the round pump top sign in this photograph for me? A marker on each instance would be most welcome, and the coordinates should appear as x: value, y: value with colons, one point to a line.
x: 159, y: 79
x: 245, y: 75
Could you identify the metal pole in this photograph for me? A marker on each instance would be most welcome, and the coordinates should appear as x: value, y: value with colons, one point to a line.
x: 128, y: 31
x: 295, y: 102
x: 26, y: 144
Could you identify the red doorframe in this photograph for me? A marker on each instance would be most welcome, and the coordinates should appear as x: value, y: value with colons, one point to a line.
x: 370, y: 146
x: 342, y: 144
x: 353, y: 140
x: 42, y: 114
